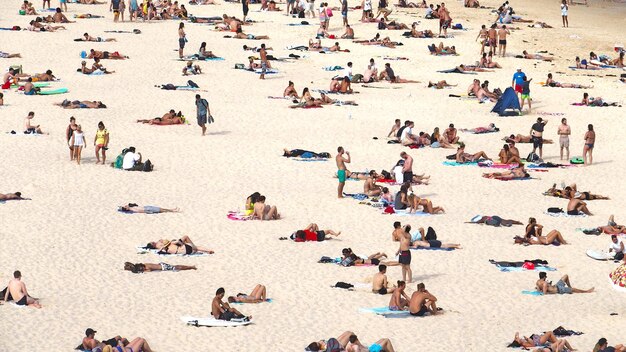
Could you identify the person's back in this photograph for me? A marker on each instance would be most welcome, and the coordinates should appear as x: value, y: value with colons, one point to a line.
x: 129, y: 160
x: 16, y: 289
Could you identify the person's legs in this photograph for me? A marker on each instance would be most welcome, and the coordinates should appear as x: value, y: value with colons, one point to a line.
x: 556, y: 235
x: 139, y: 345
x: 79, y: 151
x: 547, y: 336
x: 590, y: 155
x: 184, y: 267
x: 344, y: 338
x: 71, y: 153
x: 340, y: 189
x: 203, y: 126
x: 585, y: 150
x: 332, y: 233
x: 386, y: 345
x: 98, y: 154
x: 32, y: 302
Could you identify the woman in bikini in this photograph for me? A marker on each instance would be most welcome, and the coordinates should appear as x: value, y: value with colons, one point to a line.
x: 139, y: 268
x: 184, y: 245
x: 546, y: 342
x: 258, y: 295
x: 533, y: 234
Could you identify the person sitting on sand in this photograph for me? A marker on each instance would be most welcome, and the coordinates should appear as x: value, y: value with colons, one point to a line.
x: 222, y: 310
x: 441, y: 49
x: 494, y: 220
x: 399, y: 299
x: 546, y: 342
x: 533, y: 235
x: 88, y: 38
x: 370, y: 187
x: 576, y: 206
x: 145, y: 209
x: 97, y: 66
x: 84, y: 69
x: 427, y: 33
x: 290, y: 91
x: 526, y: 55
x: 487, y: 62
x: 463, y: 157
x: 390, y: 76
x: 437, y: 140
x: 422, y: 302
x: 182, y: 246
x: 58, y: 17
x: 506, y: 157
x: 139, y: 268
x: 552, y: 83
x: 28, y: 9
x: 16, y: 291
x: 450, y: 134
x: 105, y: 55
x: 514, y: 173
x: 31, y: 129
x: 603, y: 346
x: 169, y: 118
x: 619, y: 61
x: 258, y: 295
x: 562, y: 286
x: 263, y: 211
x: 312, y: 233
x: 354, y: 345
x: 191, y: 69
x: 479, y: 91
x: 379, y: 281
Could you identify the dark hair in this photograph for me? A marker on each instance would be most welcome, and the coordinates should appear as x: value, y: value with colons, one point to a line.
x: 220, y: 291
x: 300, y: 234
x: 32, y: 113
x: 313, y: 346
x: 385, y: 189
x: 131, y: 149
x: 17, y: 274
x: 261, y: 199
x: 542, y: 275
x: 602, y: 341
x: 407, y: 228
x: 382, y: 267
x: 100, y: 124
x: 590, y: 127
x: 396, y: 225
x: 505, y: 147
x: 339, y: 149
x: 254, y: 197
x: 353, y: 338
x: 421, y: 286
x: 401, y: 283
x: 181, y: 25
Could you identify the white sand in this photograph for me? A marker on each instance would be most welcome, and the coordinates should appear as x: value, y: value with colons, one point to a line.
x: 70, y: 243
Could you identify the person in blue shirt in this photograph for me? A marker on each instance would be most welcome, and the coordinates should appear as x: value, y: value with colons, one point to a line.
x: 518, y: 80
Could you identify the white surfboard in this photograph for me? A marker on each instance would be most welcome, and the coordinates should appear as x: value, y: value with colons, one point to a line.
x: 599, y: 255
x: 211, y: 321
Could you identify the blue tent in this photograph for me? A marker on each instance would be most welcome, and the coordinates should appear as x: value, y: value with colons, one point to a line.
x: 507, y: 101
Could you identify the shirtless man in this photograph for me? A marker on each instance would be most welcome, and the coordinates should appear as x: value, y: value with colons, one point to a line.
x: 222, y: 310
x: 536, y: 56
x: 444, y: 20
x: 59, y: 17
x: 564, y: 131
x: 264, y: 212
x: 16, y: 291
x: 399, y: 299
x: 405, y: 256
x: 398, y: 231
x: 576, y: 206
x: 105, y: 55
x: 407, y: 169
x: 345, y: 87
x: 379, y: 282
x: 434, y: 244
x: 88, y: 38
x: 11, y: 196
x: 89, y: 341
x: 394, y: 129
x: 502, y: 32
x: 342, y: 171
x: 563, y: 286
x: 492, y: 38
x: 450, y: 134
x: 349, y: 33
x: 290, y: 91
x: 28, y: 128
x: 422, y: 302
x: 370, y: 187
x: 263, y: 55
x: 463, y: 157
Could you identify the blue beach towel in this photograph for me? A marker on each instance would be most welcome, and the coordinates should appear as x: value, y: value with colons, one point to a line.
x: 455, y: 163
x: 532, y: 293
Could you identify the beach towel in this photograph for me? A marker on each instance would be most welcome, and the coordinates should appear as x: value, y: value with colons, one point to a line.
x: 532, y: 293
x: 508, y: 269
x: 309, y: 159
x: 384, y: 311
x: 456, y: 70
x: 455, y: 163
x: 211, y: 321
x: 267, y: 300
x: 565, y: 215
x: 144, y: 250
x: 357, y: 196
x: 233, y: 215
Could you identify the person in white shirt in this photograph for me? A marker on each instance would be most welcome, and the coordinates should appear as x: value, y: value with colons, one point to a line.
x: 617, y: 246
x: 132, y: 160
x: 407, y: 137
x: 347, y: 72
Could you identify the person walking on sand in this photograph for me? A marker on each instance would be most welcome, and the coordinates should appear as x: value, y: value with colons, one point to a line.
x: 246, y: 7
x: 525, y: 94
x: 564, y: 9
x: 341, y: 172
x: 405, y: 257
x: 590, y: 140
x: 101, y: 142
x: 78, y: 142
x: 71, y: 128
x: 16, y: 291
x: 502, y: 33
x: 203, y: 113
x: 115, y: 7
x: 263, y: 55
x: 518, y: 80
x: 564, y: 131
x: 536, y: 135
x: 182, y: 39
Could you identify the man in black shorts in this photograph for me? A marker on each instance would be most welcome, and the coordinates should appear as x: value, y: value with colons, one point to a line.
x: 115, y: 7
x: 536, y: 135
x: 405, y: 256
x: 422, y: 302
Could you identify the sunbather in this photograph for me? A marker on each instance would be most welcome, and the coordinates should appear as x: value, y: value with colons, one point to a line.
x: 258, y: 295
x: 495, y: 220
x: 11, y: 196
x: 441, y: 49
x: 545, y: 342
x: 506, y: 157
x: 491, y: 128
x: 139, y: 268
x: 88, y: 38
x: 222, y: 310
x: 602, y: 345
x: 81, y: 104
x: 427, y: 33
x: 463, y: 157
x: 566, y: 193
x: 290, y: 91
x: 471, y: 68
x: 552, y: 83
x: 263, y: 211
x: 515, y: 173
x: 518, y: 138
x: 354, y: 345
x: 169, y: 118
x: 313, y: 233
x: 389, y: 75
x: 191, y: 69
x: 612, y: 228
x: 4, y: 55
x: 597, y: 101
x: 104, y: 55
x: 434, y: 244
x: 533, y: 235
x: 293, y: 153
x: 146, y: 209
x: 536, y: 56
x: 440, y: 84
x: 179, y: 246
x: 562, y: 286
x: 487, y: 61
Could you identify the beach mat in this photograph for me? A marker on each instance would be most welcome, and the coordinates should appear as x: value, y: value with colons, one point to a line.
x: 212, y: 322
x: 144, y: 250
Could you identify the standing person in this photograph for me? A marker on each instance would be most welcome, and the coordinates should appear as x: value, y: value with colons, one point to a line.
x: 122, y: 9
x: 263, y: 55
x: 502, y: 40
x: 444, y: 20
x: 203, y: 112
x: 482, y: 35
x: 407, y: 168
x: 63, y: 5
x: 68, y: 135
x: 133, y: 9
x: 101, y: 142
x: 564, y: 131
x: 44, y: 4
x: 323, y: 16
x: 182, y: 39
x: 290, y: 4
x: 341, y: 172
x: 518, y: 80
x: 245, y: 4
x: 16, y: 291
x: 405, y: 256
x: 536, y: 135
x: 564, y: 9
x: 590, y: 140
x: 344, y: 12
x: 78, y: 142
x: 525, y: 94
x: 367, y: 10
x: 382, y: 9
x: 115, y: 7
x: 492, y: 38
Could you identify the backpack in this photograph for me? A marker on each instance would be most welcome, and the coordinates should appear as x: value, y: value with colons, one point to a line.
x: 147, y: 166
x: 555, y: 210
x: 532, y: 157
x: 333, y: 345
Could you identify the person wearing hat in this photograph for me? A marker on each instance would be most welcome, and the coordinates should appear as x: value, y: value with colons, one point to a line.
x: 89, y: 341
x: 518, y: 80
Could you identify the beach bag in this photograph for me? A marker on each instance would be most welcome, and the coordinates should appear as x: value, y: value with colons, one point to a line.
x: 333, y: 345
x: 326, y: 260
x: 529, y: 266
x: 532, y: 157
x: 344, y: 285
x: 329, y: 12
x: 192, y: 84
x: 389, y: 210
x: 555, y: 210
x: 147, y: 166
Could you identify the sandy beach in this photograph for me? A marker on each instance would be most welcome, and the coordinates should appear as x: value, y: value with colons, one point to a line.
x: 70, y: 243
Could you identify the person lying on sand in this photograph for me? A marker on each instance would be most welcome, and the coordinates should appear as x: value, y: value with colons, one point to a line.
x: 612, y: 228
x: 241, y: 35
x: 423, y: 302
x: 515, y: 173
x: 602, y: 345
x: 583, y: 64
x: 526, y: 55
x: 37, y: 77
x: 392, y: 25
x: 293, y: 153
x: 147, y: 209
x: 222, y: 310
x: 258, y: 295
x: 412, y: 202
x: 566, y: 193
x: 463, y: 157
x: 471, y: 68
x: 263, y: 211
x: 169, y: 118
x: 354, y: 345
x: 434, y: 244
x: 184, y: 245
x: 16, y: 291
x: 390, y: 76
x: 552, y: 83
x: 506, y: 157
x: 540, y: 25
x: 405, y: 4
x: 494, y: 220
x: 139, y: 268
x: 138, y: 344
x: 597, y: 101
x: 11, y: 196
x: 562, y: 286
x: 105, y: 55
x: 313, y: 233
x: 81, y: 104
x: 491, y: 128
x: 518, y: 138
x: 88, y: 38
x: 39, y: 27
x: 441, y: 49
x: 427, y: 33
x: 546, y: 342
x: 4, y: 55
x: 341, y: 342
x: 533, y: 235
